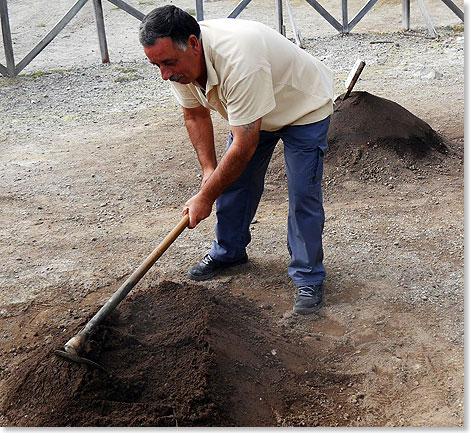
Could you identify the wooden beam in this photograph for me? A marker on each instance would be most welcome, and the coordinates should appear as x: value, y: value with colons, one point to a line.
x: 238, y: 8
x: 454, y: 8
x: 325, y: 14
x: 367, y: 7
x: 50, y: 36
x: 405, y: 14
x: 427, y: 19
x: 7, y: 43
x: 101, y: 30
x: 128, y: 8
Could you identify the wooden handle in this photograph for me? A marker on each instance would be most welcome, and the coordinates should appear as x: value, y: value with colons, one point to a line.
x: 75, y: 344
x: 354, y: 79
x: 165, y: 243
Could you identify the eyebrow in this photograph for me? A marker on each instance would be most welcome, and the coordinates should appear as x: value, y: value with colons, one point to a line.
x: 165, y: 61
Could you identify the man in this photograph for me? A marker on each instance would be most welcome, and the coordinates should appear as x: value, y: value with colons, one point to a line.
x: 268, y: 89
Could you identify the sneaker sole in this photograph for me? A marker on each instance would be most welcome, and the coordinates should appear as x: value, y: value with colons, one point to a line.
x: 305, y: 311
x: 213, y: 274
x: 204, y: 277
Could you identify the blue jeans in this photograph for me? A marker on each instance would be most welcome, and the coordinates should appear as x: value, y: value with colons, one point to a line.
x: 304, y: 147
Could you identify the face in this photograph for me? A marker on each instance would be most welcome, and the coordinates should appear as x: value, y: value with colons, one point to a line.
x: 175, y: 64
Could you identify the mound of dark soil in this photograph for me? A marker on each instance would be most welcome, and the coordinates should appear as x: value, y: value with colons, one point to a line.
x: 372, y: 135
x: 159, y: 360
x: 178, y: 356
x: 371, y: 138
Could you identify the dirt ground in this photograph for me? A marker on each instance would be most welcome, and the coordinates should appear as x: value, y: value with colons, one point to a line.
x: 85, y: 197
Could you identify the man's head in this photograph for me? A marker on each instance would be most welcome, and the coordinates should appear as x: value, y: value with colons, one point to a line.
x: 171, y: 40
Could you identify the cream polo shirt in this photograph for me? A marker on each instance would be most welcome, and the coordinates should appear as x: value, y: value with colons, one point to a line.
x: 254, y: 72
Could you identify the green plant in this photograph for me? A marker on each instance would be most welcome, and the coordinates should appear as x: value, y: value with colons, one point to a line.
x: 125, y: 70
x: 35, y: 75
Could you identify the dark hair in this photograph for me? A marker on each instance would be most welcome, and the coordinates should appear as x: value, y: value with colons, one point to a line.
x: 168, y: 21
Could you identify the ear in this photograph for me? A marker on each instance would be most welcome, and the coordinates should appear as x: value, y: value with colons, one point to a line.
x: 194, y: 44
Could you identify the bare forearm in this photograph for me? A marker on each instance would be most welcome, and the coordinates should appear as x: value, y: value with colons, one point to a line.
x: 233, y: 162
x: 231, y: 166
x: 201, y: 134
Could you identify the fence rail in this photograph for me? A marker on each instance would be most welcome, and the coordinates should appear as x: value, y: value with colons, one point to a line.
x: 11, y: 69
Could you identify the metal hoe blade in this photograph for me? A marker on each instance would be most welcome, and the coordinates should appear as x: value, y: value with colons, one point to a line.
x: 80, y: 360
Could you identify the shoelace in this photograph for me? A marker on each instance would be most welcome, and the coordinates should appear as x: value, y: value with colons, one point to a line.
x: 305, y: 291
x: 207, y: 259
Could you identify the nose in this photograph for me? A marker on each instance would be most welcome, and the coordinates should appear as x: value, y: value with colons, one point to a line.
x: 166, y: 73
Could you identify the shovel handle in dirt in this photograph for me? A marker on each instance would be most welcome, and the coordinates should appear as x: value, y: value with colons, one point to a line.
x: 353, y: 77
x: 74, y: 346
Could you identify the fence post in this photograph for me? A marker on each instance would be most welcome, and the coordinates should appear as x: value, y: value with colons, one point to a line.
x: 7, y: 44
x: 405, y: 14
x: 280, y: 21
x: 344, y: 7
x: 101, y: 30
x: 199, y: 10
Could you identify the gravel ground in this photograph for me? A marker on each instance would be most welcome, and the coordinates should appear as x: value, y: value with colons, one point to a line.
x: 394, y: 249
x: 395, y: 65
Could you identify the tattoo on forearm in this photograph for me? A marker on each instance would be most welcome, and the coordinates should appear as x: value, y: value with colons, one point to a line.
x: 249, y: 127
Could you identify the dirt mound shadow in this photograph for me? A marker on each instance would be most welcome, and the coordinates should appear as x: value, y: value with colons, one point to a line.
x: 178, y: 356
x: 373, y: 137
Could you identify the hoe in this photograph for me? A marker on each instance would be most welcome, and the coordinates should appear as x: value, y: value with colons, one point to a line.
x: 74, y: 346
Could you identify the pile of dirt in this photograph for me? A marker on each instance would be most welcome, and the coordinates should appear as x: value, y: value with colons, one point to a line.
x: 178, y: 356
x: 155, y: 348
x: 373, y: 137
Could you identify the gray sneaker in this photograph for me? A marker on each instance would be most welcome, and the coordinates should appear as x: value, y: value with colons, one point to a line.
x: 309, y: 299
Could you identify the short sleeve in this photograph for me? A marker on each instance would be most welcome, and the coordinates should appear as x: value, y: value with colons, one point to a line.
x: 250, y: 98
x: 184, y: 95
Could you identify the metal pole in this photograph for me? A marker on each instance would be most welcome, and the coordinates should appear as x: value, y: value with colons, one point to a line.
x: 199, y: 10
x: 238, y: 9
x: 405, y: 14
x: 427, y: 19
x: 325, y: 14
x: 297, y: 36
x: 43, y: 43
x: 128, y: 8
x: 366, y: 8
x: 344, y: 7
x: 101, y: 30
x: 453, y: 7
x: 7, y: 44
x: 280, y: 21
